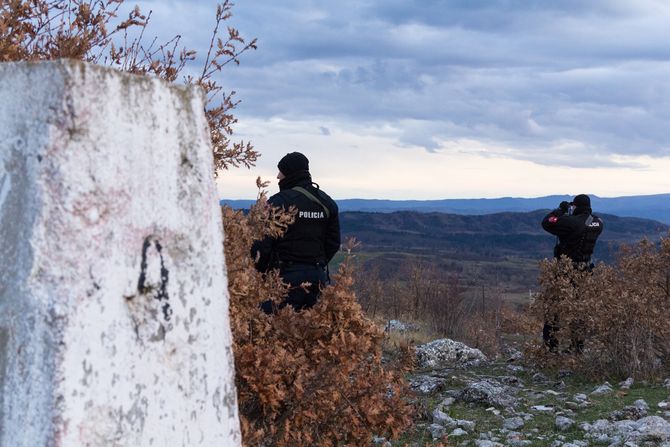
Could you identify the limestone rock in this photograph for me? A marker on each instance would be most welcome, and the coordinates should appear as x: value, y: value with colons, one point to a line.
x: 489, y: 392
x: 511, y: 381
x: 511, y: 354
x: 516, y: 439
x: 641, y: 404
x: 650, y: 429
x: 626, y: 384
x: 563, y: 423
x: 466, y: 425
x: 581, y: 397
x: 515, y: 368
x: 437, y: 431
x: 426, y: 384
x: 398, y: 326
x: 458, y: 432
x: 444, y: 419
x: 638, y: 410
x: 540, y: 378
x: 493, y: 410
x: 513, y: 423
x: 446, y: 353
x: 653, y: 428
x: 487, y: 443
x: 378, y: 440
x: 603, y: 389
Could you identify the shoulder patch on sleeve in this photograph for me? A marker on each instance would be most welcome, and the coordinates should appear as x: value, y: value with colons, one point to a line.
x: 553, y: 219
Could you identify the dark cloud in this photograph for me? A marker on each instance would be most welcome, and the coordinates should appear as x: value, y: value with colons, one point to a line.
x: 529, y: 75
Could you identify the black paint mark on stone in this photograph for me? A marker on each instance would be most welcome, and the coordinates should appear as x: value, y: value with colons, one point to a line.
x: 161, y: 293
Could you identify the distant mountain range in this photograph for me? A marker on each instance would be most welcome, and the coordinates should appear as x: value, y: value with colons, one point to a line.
x: 500, y: 248
x: 490, y: 237
x: 656, y: 207
x: 484, y: 241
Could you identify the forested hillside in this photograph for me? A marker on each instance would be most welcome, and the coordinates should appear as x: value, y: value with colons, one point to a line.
x: 496, y: 249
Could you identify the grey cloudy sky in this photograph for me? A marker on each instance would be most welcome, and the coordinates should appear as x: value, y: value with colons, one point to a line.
x: 461, y: 98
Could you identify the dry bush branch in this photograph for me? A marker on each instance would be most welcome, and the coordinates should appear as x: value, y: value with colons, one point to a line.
x: 621, y: 312
x: 89, y: 30
x: 423, y: 294
x: 308, y: 378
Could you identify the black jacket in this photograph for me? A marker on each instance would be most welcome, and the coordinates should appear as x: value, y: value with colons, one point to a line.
x: 313, y: 238
x: 577, y: 233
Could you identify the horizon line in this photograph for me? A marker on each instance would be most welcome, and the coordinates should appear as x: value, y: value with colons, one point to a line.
x: 482, y: 198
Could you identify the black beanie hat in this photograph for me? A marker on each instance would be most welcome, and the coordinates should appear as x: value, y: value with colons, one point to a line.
x: 293, y: 163
x: 582, y: 201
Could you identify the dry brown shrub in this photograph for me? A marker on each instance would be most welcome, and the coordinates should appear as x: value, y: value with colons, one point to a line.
x: 308, y: 378
x: 621, y: 312
x: 517, y: 320
x: 481, y: 332
x: 420, y: 293
x: 89, y: 30
x: 437, y: 305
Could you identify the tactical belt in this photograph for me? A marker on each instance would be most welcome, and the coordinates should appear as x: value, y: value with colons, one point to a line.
x: 291, y: 265
x: 313, y: 198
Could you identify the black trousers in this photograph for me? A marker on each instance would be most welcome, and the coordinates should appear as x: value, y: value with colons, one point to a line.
x: 551, y: 322
x: 549, y: 333
x: 298, y: 297
x: 551, y: 328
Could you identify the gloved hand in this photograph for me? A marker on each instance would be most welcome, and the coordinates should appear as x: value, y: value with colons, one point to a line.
x: 564, y: 206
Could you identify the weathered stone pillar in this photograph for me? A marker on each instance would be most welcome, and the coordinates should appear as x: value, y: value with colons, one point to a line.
x: 114, y: 325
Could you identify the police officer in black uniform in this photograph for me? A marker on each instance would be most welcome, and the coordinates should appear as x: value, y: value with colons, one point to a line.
x: 577, y: 233
x: 302, y: 254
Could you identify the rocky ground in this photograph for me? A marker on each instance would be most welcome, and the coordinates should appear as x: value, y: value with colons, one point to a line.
x: 468, y: 400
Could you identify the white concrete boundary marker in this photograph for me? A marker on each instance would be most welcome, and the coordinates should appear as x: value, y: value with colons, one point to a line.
x: 114, y: 325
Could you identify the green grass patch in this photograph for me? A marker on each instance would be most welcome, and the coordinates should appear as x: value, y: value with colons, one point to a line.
x: 541, y: 425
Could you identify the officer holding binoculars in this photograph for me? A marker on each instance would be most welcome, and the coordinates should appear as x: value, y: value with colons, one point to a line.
x: 577, y: 230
